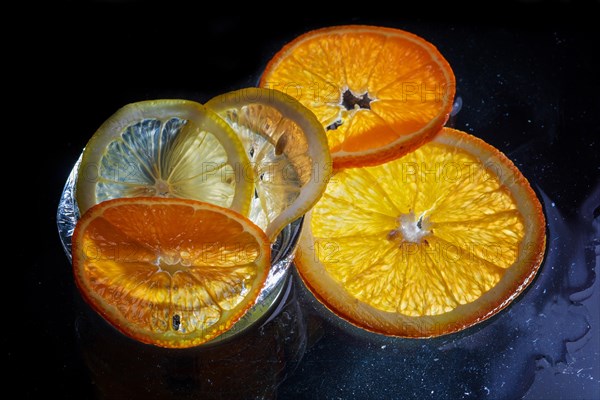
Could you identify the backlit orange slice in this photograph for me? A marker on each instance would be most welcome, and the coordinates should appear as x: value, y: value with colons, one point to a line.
x: 167, y: 271
x: 425, y: 245
x: 379, y: 92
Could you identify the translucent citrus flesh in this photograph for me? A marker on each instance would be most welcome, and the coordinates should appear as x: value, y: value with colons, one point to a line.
x: 166, y: 148
x: 287, y: 148
x: 170, y: 272
x: 426, y: 244
x: 379, y: 92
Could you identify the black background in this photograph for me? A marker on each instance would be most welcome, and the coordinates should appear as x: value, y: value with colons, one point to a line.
x: 528, y: 83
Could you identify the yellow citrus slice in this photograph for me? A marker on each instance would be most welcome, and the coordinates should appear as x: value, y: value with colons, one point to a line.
x: 166, y: 271
x: 425, y: 245
x: 288, y: 151
x: 165, y: 148
x: 379, y: 92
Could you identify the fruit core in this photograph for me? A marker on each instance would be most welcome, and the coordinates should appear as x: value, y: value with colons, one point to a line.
x: 411, y: 229
x: 173, y: 262
x: 351, y: 103
x: 162, y: 188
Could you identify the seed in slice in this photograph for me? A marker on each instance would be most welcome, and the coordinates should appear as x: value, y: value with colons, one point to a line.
x: 425, y: 245
x: 379, y: 92
x: 288, y: 151
x: 165, y: 148
x: 169, y: 272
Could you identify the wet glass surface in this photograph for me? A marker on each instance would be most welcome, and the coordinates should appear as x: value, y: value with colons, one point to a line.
x: 528, y: 91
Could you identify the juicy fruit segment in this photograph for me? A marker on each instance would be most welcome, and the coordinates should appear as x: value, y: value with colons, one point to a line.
x: 427, y: 244
x: 165, y: 148
x: 379, y: 92
x: 169, y: 272
x: 287, y: 148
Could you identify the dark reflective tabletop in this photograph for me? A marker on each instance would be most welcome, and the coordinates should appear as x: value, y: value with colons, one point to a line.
x: 529, y: 91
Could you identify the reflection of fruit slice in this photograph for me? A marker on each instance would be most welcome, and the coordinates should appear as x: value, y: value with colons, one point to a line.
x: 170, y: 272
x: 379, y: 92
x: 425, y: 245
x: 249, y: 366
x: 288, y: 151
x: 166, y: 148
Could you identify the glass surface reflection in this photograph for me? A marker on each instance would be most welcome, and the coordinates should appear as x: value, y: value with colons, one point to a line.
x: 249, y: 365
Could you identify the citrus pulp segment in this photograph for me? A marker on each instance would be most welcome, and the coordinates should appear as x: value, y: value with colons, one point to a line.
x: 288, y: 151
x: 425, y: 245
x: 166, y: 148
x: 166, y: 271
x: 379, y: 92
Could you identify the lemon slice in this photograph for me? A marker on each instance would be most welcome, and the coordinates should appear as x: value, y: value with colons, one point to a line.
x: 165, y: 148
x: 288, y: 151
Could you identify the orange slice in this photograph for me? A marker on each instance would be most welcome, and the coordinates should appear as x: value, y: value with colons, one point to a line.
x: 425, y: 245
x: 166, y: 271
x: 379, y: 92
